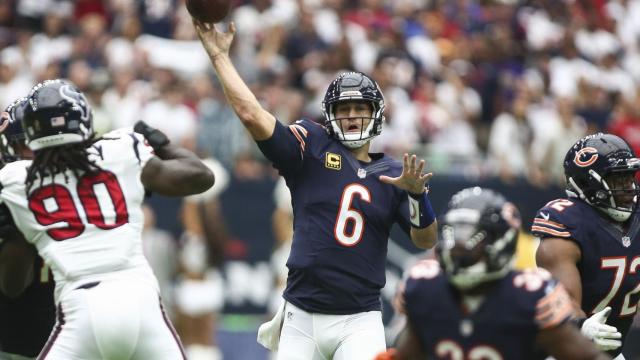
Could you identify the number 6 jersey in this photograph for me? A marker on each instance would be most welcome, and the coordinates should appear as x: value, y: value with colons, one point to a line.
x: 342, y: 218
x: 89, y: 227
x: 610, y: 256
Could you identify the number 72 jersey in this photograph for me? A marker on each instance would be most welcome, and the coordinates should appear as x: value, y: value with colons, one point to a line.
x: 610, y: 258
x: 86, y: 226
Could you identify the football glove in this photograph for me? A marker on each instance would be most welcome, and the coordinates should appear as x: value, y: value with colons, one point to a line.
x: 155, y: 137
x: 606, y: 337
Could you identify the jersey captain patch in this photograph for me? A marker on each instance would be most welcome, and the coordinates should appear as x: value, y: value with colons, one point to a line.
x: 333, y: 161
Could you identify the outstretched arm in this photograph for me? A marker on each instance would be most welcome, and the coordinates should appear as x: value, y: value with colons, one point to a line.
x: 175, y: 171
x: 259, y: 122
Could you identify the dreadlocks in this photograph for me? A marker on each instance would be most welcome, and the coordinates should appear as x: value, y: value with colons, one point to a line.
x: 57, y: 160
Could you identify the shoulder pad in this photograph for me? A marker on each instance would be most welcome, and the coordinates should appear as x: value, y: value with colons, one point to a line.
x: 118, y: 133
x: 306, y: 127
x: 14, y: 172
x: 305, y: 130
x: 425, y: 282
x: 424, y: 269
x: 558, y: 218
x: 531, y: 279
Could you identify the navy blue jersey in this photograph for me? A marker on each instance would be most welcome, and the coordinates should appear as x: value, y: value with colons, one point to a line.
x: 505, y: 324
x: 610, y: 263
x: 342, y: 217
x: 26, y: 321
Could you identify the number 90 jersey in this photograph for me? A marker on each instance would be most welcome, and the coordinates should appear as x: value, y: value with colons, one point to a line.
x: 342, y: 215
x: 610, y: 258
x: 86, y: 227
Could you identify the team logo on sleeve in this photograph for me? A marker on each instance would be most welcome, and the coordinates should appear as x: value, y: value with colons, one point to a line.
x: 586, y: 156
x: 333, y: 161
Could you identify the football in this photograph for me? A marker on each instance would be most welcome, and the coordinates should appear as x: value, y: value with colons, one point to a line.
x: 209, y: 11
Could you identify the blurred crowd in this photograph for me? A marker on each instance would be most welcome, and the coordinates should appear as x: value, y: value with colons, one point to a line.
x: 481, y: 88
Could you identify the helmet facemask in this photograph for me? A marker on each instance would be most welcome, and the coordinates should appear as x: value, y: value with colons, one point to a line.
x: 600, y: 170
x: 364, y: 128
x: 616, y: 192
x: 472, y: 251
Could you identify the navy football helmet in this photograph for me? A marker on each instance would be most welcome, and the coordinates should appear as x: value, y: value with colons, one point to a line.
x: 600, y: 170
x: 58, y: 114
x: 353, y: 86
x: 12, y: 138
x: 478, y: 237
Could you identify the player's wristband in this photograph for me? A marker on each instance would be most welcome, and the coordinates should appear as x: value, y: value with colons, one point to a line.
x: 421, y: 213
x: 579, y: 321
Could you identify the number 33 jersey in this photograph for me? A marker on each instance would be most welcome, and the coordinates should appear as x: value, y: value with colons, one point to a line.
x: 503, y: 326
x: 87, y: 227
x: 610, y: 257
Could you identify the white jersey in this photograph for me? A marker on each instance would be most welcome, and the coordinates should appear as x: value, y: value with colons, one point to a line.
x: 89, y: 228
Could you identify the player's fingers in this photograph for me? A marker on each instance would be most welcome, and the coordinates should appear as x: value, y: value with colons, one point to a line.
x: 604, y: 328
x: 196, y: 24
x: 608, y: 334
x: 200, y: 26
x: 232, y: 28
x: 420, y: 167
x: 603, y: 314
x: 607, y: 341
x: 405, y: 162
x: 605, y: 344
x: 412, y: 164
x: 426, y: 177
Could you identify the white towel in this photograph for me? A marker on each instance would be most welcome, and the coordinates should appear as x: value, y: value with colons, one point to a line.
x: 269, y: 332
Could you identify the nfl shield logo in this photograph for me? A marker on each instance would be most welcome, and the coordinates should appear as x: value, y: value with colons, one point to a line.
x: 626, y: 241
x: 362, y: 173
x: 466, y: 327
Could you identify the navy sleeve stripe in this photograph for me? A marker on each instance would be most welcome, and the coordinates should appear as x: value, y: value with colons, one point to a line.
x: 549, y: 223
x: 549, y: 231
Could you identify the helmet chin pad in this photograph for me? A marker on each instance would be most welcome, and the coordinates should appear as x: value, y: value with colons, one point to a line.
x: 618, y: 214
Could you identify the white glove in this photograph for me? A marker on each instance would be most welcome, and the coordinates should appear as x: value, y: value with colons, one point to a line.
x: 606, y: 337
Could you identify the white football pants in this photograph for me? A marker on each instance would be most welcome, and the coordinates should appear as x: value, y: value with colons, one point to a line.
x: 311, y: 336
x: 117, y: 319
